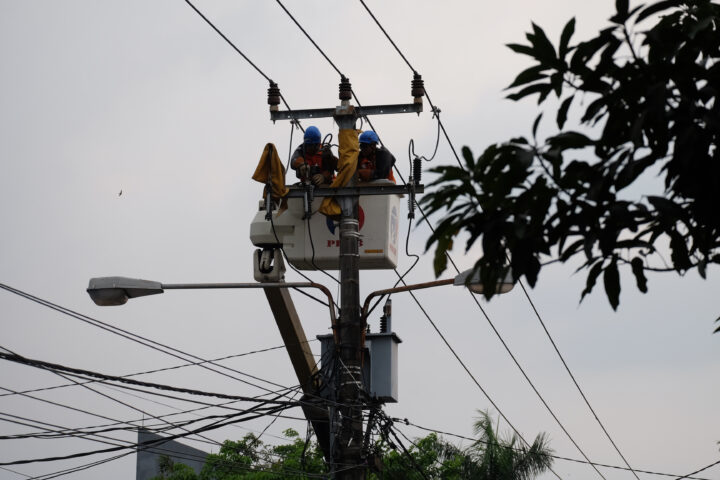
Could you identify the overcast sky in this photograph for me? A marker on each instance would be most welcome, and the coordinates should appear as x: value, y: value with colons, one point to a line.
x: 145, y: 98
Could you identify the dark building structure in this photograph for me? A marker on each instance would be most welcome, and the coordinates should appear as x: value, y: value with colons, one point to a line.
x: 148, y: 458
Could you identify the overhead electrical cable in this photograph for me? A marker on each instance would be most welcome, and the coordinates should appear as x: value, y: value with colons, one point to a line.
x: 558, y: 457
x: 310, y: 38
x: 87, y: 373
x: 478, y: 304
x: 80, y: 468
x: 435, y: 110
x: 120, y: 402
x: 129, y: 425
x: 16, y: 473
x: 577, y: 385
x: 607, y: 434
x: 96, y: 432
x: 698, y: 471
x: 229, y: 42
x: 57, y: 404
x: 357, y: 101
x: 146, y: 372
x: 174, y: 352
x: 59, y: 432
x: 467, y: 370
x: 532, y: 385
x: 149, y: 443
x: 408, y: 454
x: 48, y: 432
x: 296, y: 122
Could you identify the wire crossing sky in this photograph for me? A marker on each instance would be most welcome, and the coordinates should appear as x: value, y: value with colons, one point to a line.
x: 145, y: 99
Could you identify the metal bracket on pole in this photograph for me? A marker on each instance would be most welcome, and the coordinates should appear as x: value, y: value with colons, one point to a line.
x: 357, y: 112
x: 366, y: 189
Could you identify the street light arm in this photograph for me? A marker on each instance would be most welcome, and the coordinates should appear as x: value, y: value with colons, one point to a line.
x: 106, y: 291
x: 406, y: 288
x: 202, y: 286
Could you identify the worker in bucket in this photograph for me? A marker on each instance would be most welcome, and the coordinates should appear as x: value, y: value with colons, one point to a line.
x: 374, y: 162
x: 312, y: 162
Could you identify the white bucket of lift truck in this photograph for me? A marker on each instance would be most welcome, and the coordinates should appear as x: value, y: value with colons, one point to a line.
x: 318, y: 247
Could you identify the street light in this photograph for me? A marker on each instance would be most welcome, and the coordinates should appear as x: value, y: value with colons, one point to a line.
x: 107, y: 291
x: 111, y: 291
x: 474, y: 284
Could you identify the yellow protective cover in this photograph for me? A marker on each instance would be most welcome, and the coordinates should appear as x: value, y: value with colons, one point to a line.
x: 349, y: 149
x: 270, y: 167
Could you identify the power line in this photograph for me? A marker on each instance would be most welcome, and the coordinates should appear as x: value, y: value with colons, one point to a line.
x: 582, y: 394
x: 310, y: 38
x: 229, y: 42
x: 388, y: 36
x: 16, y: 473
x: 230, y: 419
x: 698, y: 471
x: 407, y: 453
x: 532, y: 385
x: 467, y: 370
x: 130, y: 424
x: 189, y: 364
x: 558, y: 457
x: 87, y: 373
x: 79, y: 468
x: 241, y: 54
x: 521, y: 284
x: 116, y: 400
x: 57, y: 404
x: 448, y: 139
x: 95, y: 431
x: 139, y: 339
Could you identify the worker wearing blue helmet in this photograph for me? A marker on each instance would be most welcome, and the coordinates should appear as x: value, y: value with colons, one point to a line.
x: 312, y: 163
x: 374, y: 161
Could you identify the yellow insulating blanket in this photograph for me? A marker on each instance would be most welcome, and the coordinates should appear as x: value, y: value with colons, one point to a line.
x: 271, y: 168
x: 349, y: 149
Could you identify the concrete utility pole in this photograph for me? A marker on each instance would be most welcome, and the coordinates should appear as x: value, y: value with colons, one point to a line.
x: 347, y: 438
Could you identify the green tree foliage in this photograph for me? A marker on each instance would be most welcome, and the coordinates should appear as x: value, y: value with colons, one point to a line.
x: 507, y: 458
x: 490, y: 458
x: 645, y: 90
x: 431, y: 455
x: 251, y: 459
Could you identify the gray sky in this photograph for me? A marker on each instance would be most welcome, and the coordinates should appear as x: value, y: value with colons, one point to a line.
x: 143, y: 97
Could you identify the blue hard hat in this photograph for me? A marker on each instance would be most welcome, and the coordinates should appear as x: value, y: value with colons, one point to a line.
x: 369, y: 137
x: 312, y: 135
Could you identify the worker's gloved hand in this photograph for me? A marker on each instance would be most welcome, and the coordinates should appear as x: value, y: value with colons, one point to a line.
x: 302, y: 171
x: 318, y: 179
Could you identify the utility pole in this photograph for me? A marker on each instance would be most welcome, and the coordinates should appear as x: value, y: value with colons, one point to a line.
x: 346, y: 440
x: 350, y: 438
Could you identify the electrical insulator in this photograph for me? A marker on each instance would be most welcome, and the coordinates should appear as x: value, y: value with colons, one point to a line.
x: 418, y: 88
x: 345, y: 89
x: 273, y: 96
x: 386, y: 319
x: 411, y: 205
x: 417, y: 170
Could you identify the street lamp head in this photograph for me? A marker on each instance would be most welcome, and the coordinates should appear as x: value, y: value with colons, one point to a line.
x: 108, y: 291
x: 471, y: 279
